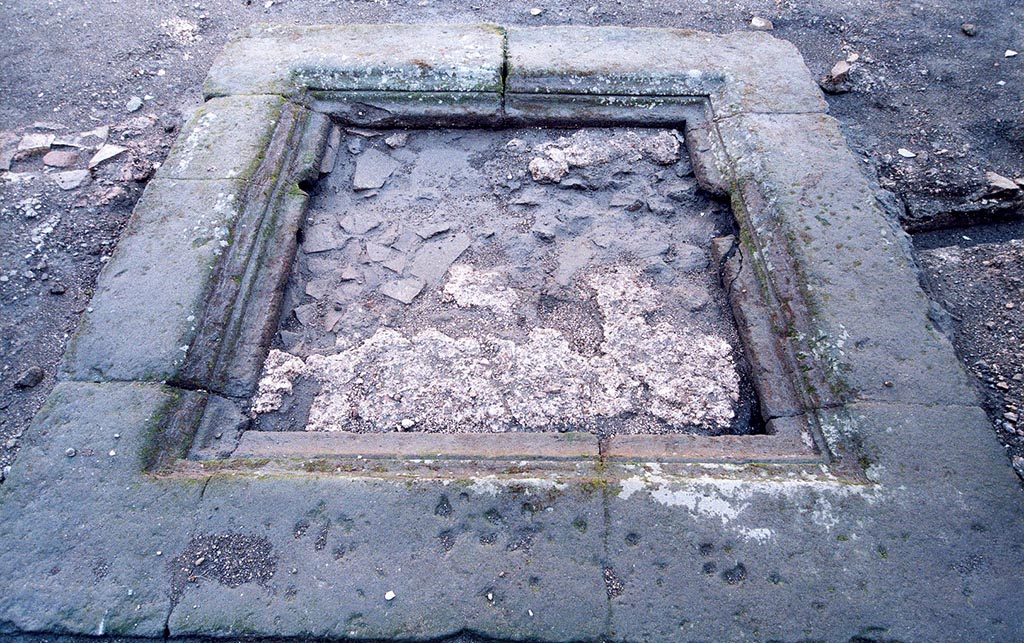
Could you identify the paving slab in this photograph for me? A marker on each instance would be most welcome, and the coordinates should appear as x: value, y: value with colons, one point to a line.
x: 289, y: 59
x: 663, y: 62
x: 144, y: 313
x: 413, y: 560
x: 87, y: 537
x: 827, y: 243
x: 224, y: 139
x: 923, y: 553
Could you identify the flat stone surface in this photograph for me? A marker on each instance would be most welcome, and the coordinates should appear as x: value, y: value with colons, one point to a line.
x: 937, y: 534
x: 87, y: 537
x: 263, y: 444
x: 372, y: 169
x: 740, y: 72
x: 510, y: 561
x: 805, y: 192
x: 288, y: 59
x: 143, y: 314
x: 225, y: 139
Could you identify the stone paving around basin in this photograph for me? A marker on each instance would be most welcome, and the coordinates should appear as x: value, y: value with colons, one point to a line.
x: 890, y: 515
x: 560, y: 280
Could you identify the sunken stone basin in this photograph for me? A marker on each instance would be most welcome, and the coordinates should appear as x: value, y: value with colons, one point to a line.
x: 561, y: 389
x: 508, y: 280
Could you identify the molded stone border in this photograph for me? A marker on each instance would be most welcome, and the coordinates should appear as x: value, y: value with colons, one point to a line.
x: 100, y: 511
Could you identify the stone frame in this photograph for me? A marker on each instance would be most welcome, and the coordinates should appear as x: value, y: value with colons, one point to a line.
x: 186, y: 305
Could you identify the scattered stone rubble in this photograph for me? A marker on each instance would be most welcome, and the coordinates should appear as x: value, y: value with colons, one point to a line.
x: 466, y: 281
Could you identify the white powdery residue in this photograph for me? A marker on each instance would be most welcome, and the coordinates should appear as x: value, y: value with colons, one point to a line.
x: 631, y: 486
x: 727, y: 500
x: 492, y: 485
x: 470, y: 287
x: 195, y: 139
x: 585, y: 149
x: 489, y: 383
x: 279, y: 372
x: 760, y: 534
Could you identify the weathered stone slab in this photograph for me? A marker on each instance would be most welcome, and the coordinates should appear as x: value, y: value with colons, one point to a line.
x: 512, y: 560
x: 937, y: 534
x: 836, y: 259
x: 289, y: 59
x: 225, y: 139
x: 266, y: 444
x: 143, y: 315
x: 87, y: 536
x: 740, y: 72
x: 409, y: 109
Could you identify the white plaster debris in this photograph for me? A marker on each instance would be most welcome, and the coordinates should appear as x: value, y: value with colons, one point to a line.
x: 470, y: 287
x: 199, y: 137
x: 729, y: 499
x: 180, y: 30
x: 584, y: 149
x: 489, y: 383
x: 279, y: 371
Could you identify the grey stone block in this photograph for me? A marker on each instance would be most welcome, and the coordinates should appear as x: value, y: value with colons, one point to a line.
x: 87, y: 536
x: 225, y: 139
x: 838, y: 263
x: 506, y: 560
x: 740, y: 72
x: 409, y: 109
x: 703, y: 558
x: 289, y: 59
x: 149, y: 298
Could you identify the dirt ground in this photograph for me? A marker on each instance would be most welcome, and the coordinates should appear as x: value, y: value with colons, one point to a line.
x: 932, y: 100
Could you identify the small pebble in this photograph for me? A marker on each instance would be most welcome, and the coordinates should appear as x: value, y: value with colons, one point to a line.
x: 389, y: 595
x: 969, y: 29
x: 536, y: 12
x: 70, y: 452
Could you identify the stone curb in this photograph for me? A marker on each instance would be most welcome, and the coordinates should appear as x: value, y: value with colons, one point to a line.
x: 289, y: 60
x: 198, y: 233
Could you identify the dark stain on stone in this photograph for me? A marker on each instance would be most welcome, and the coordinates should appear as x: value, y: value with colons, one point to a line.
x: 488, y: 538
x: 632, y: 539
x: 969, y: 563
x: 706, y: 549
x: 100, y: 568
x: 736, y: 574
x: 301, y: 527
x: 447, y: 539
x: 709, y: 567
x: 230, y: 559
x: 580, y: 525
x: 612, y: 584
x: 521, y: 541
x: 443, y: 508
x: 494, y: 517
x: 321, y: 537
